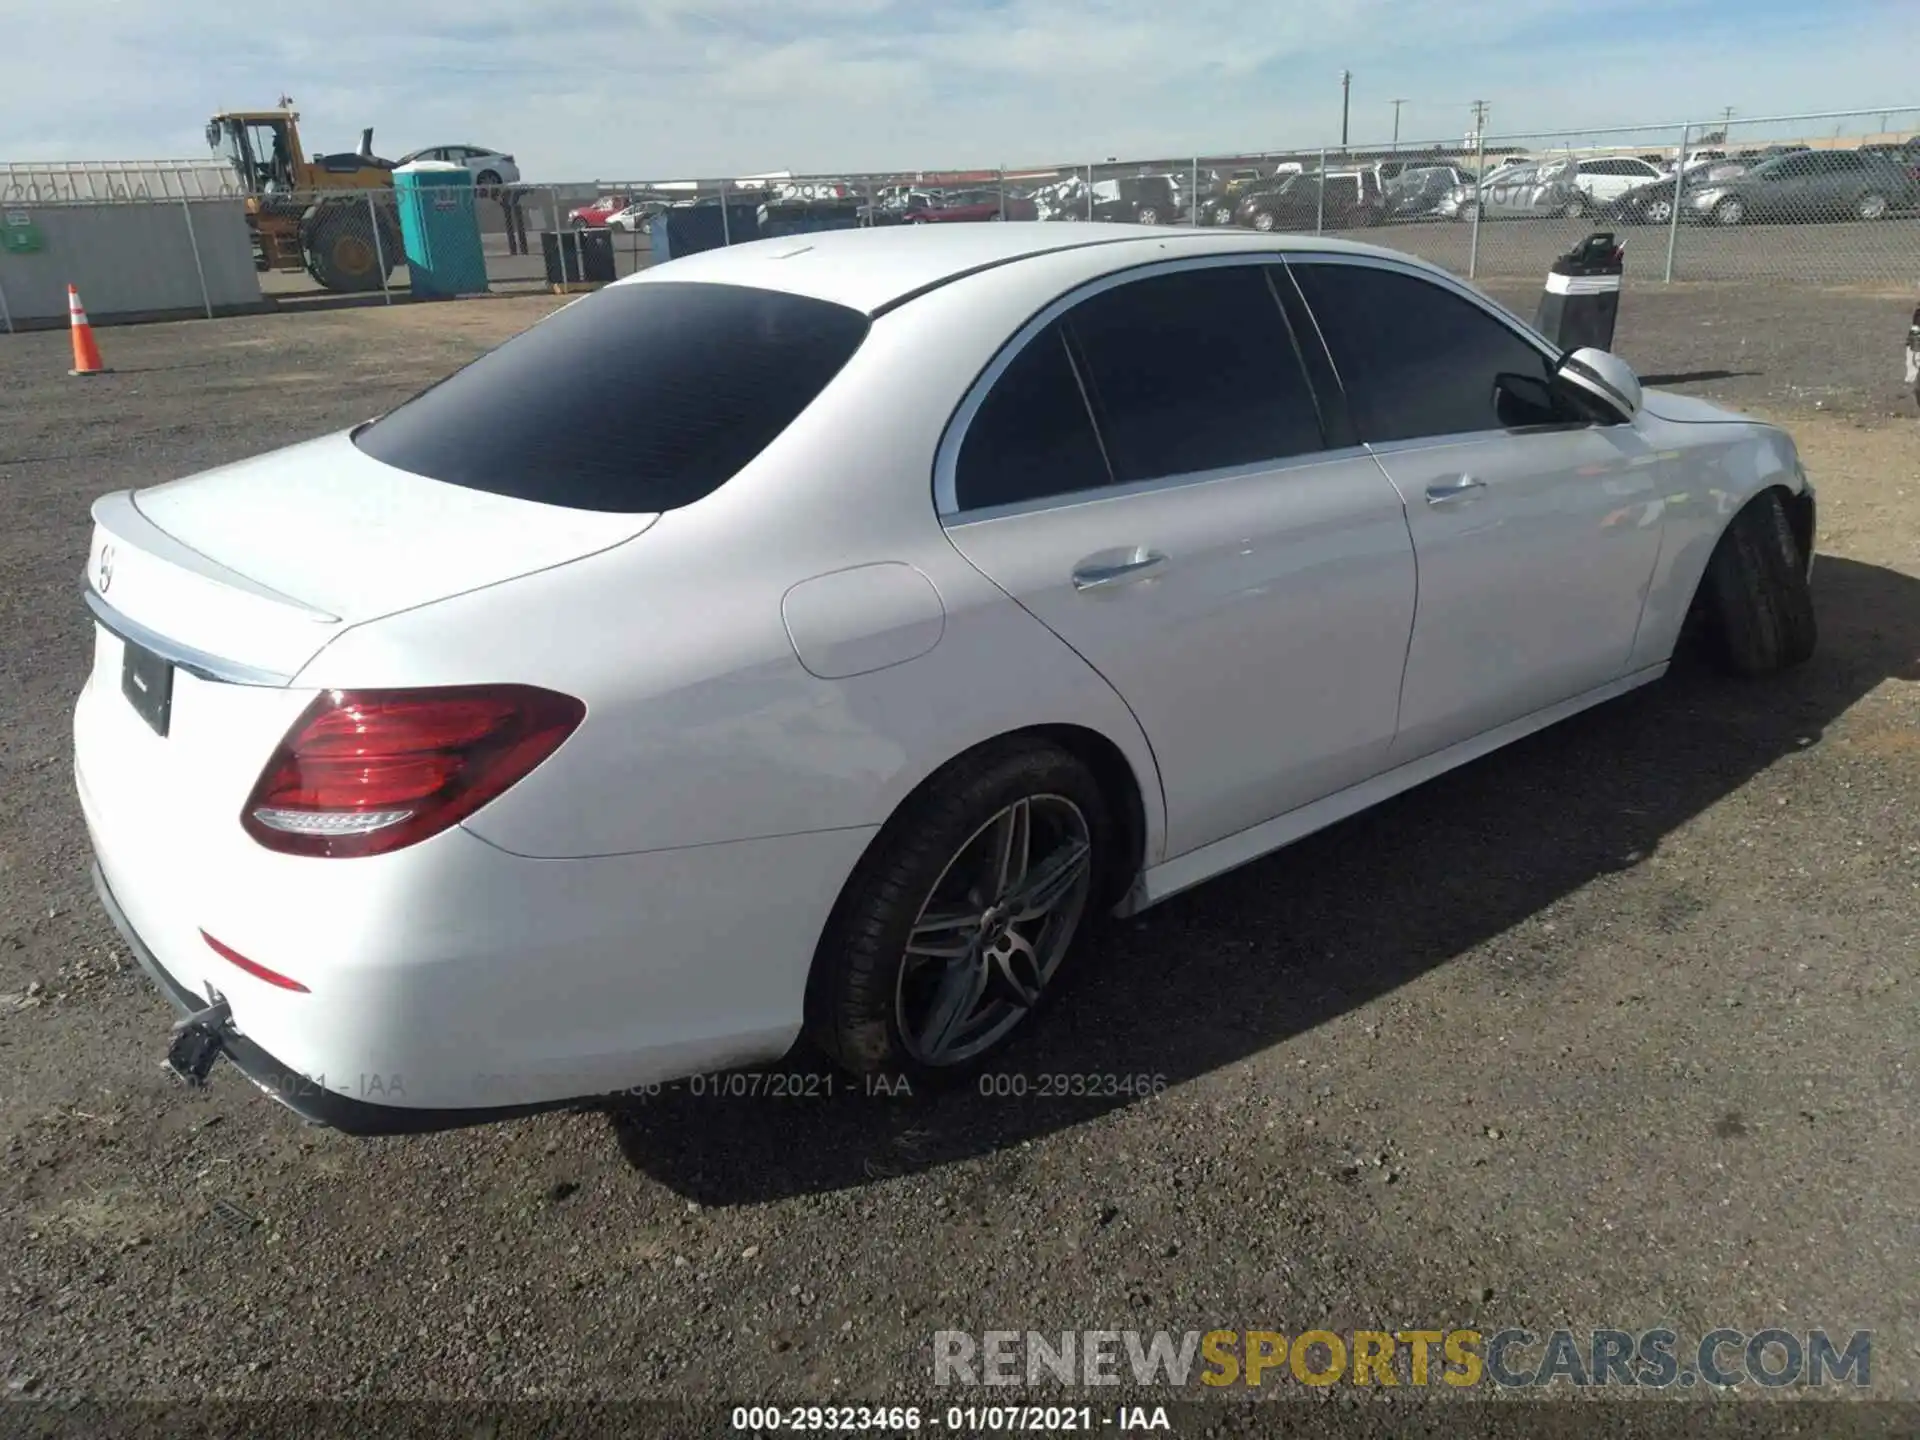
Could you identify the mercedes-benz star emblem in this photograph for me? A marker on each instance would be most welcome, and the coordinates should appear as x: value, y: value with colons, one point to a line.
x: 103, y: 572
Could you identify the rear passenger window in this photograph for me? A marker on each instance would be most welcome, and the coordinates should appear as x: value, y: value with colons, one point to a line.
x: 1416, y: 360
x: 1191, y: 371
x: 1032, y: 436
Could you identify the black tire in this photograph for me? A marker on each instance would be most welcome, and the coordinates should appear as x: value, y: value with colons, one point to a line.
x: 1147, y: 216
x: 1575, y: 208
x: 1265, y: 221
x: 342, y: 250
x: 851, y: 1008
x: 1730, y: 212
x: 1757, y: 602
x: 489, y: 179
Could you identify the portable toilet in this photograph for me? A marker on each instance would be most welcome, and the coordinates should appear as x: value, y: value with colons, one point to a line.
x: 440, y: 228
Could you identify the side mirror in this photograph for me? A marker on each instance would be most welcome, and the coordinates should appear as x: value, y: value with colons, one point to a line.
x: 1604, y: 377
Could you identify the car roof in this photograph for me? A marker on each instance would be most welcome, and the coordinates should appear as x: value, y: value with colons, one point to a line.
x: 875, y: 269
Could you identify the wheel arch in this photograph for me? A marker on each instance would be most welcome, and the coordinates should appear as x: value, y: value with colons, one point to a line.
x: 1104, y: 759
x: 1799, y: 506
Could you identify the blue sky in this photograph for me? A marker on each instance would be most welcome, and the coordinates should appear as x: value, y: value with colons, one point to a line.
x: 630, y: 89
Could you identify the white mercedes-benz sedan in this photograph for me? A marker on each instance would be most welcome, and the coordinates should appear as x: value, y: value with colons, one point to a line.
x: 820, y: 636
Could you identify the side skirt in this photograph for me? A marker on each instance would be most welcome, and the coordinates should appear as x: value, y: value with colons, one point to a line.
x: 1183, y: 872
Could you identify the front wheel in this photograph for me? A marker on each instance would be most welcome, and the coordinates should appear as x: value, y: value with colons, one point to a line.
x: 957, y: 924
x: 488, y: 179
x: 1468, y: 212
x: 1656, y: 212
x: 1730, y: 212
x: 1872, y: 206
x: 1264, y: 221
x: 1574, y: 208
x: 1755, y: 594
x: 1147, y: 216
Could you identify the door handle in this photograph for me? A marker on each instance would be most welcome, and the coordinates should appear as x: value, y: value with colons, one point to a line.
x: 1088, y: 576
x: 1457, y: 488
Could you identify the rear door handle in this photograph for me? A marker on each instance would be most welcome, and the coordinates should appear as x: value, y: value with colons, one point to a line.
x: 1091, y: 575
x: 1457, y: 488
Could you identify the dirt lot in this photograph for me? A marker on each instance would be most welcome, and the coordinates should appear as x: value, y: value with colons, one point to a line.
x: 1615, y: 1028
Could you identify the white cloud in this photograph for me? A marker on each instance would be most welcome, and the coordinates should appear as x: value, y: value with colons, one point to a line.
x: 629, y: 88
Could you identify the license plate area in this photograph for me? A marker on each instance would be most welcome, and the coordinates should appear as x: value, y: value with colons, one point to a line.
x: 146, y: 679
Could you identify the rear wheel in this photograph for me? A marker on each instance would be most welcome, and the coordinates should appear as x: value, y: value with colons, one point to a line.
x: 488, y: 179
x: 958, y: 923
x: 1755, y: 595
x: 1731, y: 211
x: 1574, y: 208
x: 1468, y: 212
x: 1872, y: 206
x: 1656, y: 212
x: 1264, y: 221
x: 1147, y: 216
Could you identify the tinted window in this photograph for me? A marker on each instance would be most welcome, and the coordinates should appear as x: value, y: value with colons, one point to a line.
x: 1193, y: 371
x: 1032, y: 436
x: 1843, y: 160
x: 1416, y: 359
x: 639, y: 398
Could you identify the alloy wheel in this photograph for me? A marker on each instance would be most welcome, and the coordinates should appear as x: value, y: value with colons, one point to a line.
x: 993, y: 930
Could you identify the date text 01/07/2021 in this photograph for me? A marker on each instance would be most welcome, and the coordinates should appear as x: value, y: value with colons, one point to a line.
x: 965, y: 1419
x: 825, y: 1085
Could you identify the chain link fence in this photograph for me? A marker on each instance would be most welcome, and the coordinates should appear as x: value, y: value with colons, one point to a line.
x: 1830, y: 199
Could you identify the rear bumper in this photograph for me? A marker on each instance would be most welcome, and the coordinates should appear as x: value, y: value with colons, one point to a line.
x: 306, y: 1097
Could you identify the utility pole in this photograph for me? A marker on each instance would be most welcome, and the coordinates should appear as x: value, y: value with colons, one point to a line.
x: 1480, y: 108
x: 1346, y: 91
x: 1396, y: 123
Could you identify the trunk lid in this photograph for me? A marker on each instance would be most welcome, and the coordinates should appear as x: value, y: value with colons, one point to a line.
x: 247, y: 571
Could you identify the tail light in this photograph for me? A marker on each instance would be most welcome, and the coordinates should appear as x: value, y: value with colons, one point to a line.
x: 363, y: 772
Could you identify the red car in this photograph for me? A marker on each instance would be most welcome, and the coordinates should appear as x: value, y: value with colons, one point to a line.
x: 594, y: 216
x: 970, y: 205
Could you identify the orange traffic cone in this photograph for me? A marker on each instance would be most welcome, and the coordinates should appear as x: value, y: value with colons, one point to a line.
x: 86, y: 352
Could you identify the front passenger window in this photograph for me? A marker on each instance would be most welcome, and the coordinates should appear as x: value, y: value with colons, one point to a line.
x: 1416, y: 360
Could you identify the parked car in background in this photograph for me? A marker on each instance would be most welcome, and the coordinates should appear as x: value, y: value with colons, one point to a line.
x: 1651, y: 203
x: 1416, y: 193
x: 489, y: 167
x: 967, y: 206
x: 1136, y: 200
x: 594, y: 215
x: 1337, y: 200
x: 1519, y: 191
x: 1808, y: 185
x: 636, y: 216
x: 1611, y: 176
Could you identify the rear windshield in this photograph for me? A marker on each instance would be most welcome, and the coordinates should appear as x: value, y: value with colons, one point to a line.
x: 637, y: 399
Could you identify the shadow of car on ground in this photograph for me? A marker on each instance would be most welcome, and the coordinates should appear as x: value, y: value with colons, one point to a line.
x: 1238, y: 965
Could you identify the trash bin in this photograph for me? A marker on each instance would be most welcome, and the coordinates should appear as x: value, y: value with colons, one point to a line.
x: 1582, y: 298
x: 578, y: 257
x: 440, y: 229
x: 689, y: 229
x: 1913, y: 354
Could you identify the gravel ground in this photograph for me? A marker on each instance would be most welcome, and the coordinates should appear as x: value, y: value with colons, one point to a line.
x: 1614, y: 1028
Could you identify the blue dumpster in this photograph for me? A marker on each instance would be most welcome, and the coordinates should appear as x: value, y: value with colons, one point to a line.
x: 440, y: 229
x: 688, y: 229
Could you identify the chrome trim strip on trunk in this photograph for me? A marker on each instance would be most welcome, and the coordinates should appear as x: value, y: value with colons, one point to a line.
x: 189, y: 659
